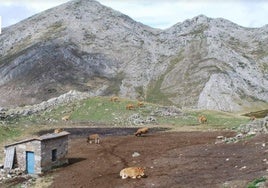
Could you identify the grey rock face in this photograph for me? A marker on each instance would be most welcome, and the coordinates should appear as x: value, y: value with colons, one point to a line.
x: 81, y: 45
x: 56, y: 101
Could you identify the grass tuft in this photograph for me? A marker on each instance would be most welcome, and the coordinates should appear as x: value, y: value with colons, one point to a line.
x: 254, y: 183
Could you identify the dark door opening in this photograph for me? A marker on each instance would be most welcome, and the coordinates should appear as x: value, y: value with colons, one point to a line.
x: 54, y: 154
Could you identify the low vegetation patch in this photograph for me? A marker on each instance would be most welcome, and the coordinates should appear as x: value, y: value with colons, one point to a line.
x: 254, y: 183
x: 9, y: 132
x: 257, y: 114
x: 101, y: 110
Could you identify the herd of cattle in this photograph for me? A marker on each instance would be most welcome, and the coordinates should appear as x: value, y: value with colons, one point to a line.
x: 129, y: 106
x: 133, y: 172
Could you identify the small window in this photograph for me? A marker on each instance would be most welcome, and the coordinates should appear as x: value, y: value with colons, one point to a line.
x: 54, y: 154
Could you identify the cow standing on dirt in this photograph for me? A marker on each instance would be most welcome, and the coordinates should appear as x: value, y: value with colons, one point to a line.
x: 93, y: 137
x: 141, y: 131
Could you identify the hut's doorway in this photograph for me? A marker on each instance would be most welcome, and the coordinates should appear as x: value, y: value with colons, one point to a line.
x: 30, y: 162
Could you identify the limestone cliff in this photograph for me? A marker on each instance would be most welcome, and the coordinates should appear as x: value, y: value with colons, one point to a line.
x: 82, y: 45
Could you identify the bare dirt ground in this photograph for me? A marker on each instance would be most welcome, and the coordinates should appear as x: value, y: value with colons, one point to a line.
x: 172, y: 159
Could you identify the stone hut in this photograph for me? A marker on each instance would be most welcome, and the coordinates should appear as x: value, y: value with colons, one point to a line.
x: 39, y: 154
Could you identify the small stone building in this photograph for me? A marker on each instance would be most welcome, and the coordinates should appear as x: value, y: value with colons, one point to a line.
x: 39, y: 154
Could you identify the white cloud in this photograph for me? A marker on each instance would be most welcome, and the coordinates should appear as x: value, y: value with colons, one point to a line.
x: 248, y: 13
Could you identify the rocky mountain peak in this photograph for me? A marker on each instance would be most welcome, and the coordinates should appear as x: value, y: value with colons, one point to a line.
x: 82, y: 45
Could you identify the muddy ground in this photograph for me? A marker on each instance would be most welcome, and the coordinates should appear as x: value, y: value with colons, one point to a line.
x: 172, y: 159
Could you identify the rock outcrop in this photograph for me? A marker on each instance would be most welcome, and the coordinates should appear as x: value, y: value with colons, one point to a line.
x: 255, y: 127
x: 69, y: 97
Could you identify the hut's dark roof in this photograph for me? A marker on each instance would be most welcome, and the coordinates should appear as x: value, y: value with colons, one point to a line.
x: 41, y: 138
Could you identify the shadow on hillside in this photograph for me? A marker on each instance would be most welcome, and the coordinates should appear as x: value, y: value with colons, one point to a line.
x: 257, y: 114
x: 83, y: 132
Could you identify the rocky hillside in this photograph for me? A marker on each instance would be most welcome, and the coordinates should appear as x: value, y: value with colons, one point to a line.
x: 82, y: 45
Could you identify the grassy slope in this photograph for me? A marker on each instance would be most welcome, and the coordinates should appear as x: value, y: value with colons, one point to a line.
x: 100, y: 110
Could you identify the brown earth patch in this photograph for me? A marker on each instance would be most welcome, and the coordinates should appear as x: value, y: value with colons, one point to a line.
x: 172, y: 159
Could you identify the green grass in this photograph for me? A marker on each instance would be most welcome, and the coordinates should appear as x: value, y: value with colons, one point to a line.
x: 216, y: 120
x: 223, y: 120
x: 257, y: 114
x: 95, y: 109
x: 254, y: 183
x: 98, y: 110
x: 154, y: 94
x: 102, y: 110
x: 9, y: 132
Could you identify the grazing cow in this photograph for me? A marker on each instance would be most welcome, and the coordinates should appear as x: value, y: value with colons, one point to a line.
x: 141, y: 131
x: 58, y: 130
x: 140, y: 104
x: 114, y: 99
x: 65, y: 118
x: 202, y: 119
x: 130, y: 107
x: 93, y: 137
x: 252, y: 118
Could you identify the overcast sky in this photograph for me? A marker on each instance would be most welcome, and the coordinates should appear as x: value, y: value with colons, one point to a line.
x: 155, y: 13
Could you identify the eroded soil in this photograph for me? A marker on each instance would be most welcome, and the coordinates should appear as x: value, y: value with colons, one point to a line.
x: 172, y: 159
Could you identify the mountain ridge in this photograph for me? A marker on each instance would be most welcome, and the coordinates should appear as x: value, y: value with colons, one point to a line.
x: 200, y: 63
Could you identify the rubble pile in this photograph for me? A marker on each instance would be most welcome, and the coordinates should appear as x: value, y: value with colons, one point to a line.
x: 167, y: 111
x: 138, y: 119
x: 16, y: 174
x: 252, y: 128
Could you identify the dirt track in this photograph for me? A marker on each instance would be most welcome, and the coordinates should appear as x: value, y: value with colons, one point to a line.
x: 172, y: 159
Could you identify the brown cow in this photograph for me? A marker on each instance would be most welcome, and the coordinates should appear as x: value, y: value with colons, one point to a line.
x: 58, y: 130
x: 93, y: 137
x: 65, y: 118
x: 202, y: 119
x: 140, y: 104
x: 130, y: 107
x: 141, y: 131
x: 114, y: 99
x: 132, y: 172
x: 252, y: 118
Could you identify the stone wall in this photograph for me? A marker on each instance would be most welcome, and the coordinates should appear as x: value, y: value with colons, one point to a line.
x: 21, y: 149
x: 61, y: 146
